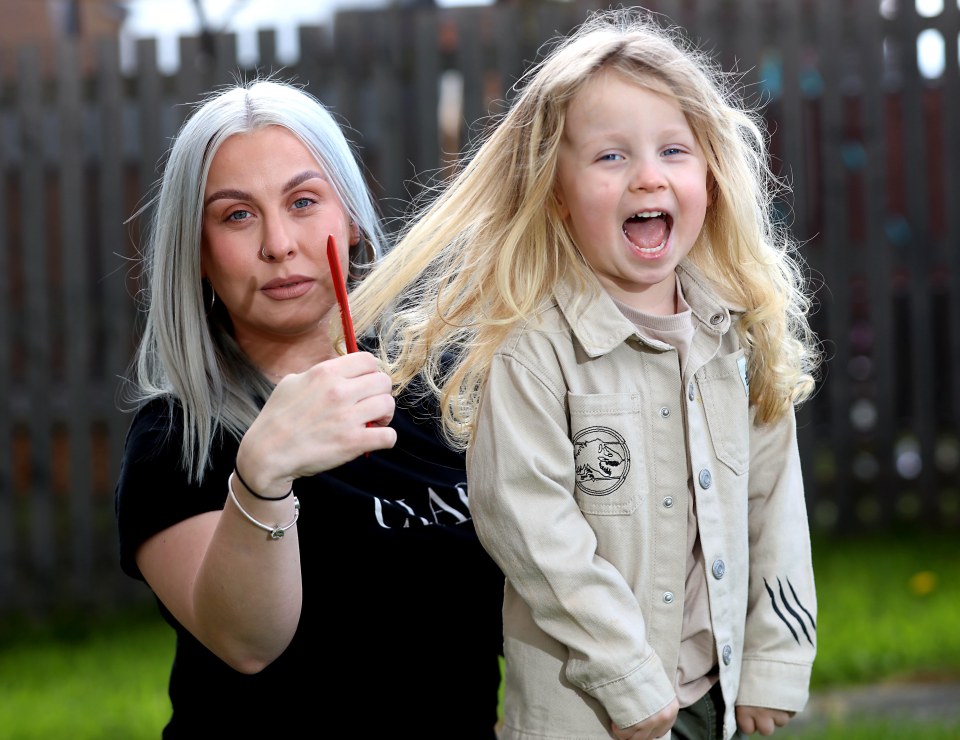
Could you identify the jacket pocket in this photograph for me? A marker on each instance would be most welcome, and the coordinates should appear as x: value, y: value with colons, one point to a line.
x: 609, y: 471
x: 724, y: 387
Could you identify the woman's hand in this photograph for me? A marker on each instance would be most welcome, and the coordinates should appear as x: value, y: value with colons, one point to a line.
x: 317, y: 420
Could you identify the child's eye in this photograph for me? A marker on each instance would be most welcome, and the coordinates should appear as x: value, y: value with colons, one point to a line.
x: 610, y: 157
x: 672, y: 150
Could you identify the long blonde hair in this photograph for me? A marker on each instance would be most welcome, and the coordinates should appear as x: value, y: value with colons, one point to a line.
x: 488, y: 250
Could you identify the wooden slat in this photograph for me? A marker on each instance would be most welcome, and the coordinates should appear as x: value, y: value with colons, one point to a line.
x: 115, y: 255
x: 8, y: 541
x: 790, y: 132
x: 192, y: 80
x: 949, y: 27
x: 670, y: 9
x: 149, y: 103
x: 389, y: 85
x: 269, y: 62
x: 424, y: 107
x: 314, y: 66
x: 224, y: 68
x: 509, y: 57
x: 917, y: 259
x: 837, y: 271
x: 78, y: 336
x: 875, y: 252
x: 746, y: 44
x: 347, y: 69
x: 41, y: 548
x: 470, y: 64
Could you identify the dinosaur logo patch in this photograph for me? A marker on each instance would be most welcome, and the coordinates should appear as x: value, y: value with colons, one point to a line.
x: 602, y: 460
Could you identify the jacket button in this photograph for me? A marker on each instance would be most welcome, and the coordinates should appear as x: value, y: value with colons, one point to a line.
x: 668, y: 597
x: 667, y: 502
x: 664, y: 412
x: 716, y: 318
x: 690, y: 391
x: 719, y: 568
x: 727, y: 654
x: 705, y: 479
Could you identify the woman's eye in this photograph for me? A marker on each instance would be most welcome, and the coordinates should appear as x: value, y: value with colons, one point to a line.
x: 302, y: 202
x: 239, y: 215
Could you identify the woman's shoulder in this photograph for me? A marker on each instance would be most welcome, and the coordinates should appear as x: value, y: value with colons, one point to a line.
x: 154, y: 420
x: 418, y: 425
x: 153, y: 489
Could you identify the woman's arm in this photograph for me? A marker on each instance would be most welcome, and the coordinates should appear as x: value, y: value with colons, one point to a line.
x: 227, y: 581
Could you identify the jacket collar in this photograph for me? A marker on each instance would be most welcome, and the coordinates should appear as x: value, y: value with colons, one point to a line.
x: 599, y: 326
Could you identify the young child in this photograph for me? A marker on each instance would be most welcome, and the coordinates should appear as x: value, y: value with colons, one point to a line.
x: 616, y: 328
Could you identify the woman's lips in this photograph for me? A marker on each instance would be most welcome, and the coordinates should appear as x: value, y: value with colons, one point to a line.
x: 286, y: 288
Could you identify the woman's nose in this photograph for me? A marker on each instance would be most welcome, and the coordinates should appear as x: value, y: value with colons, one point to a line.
x: 277, y: 242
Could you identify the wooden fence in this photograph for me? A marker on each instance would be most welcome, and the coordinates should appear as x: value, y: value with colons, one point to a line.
x: 869, y: 144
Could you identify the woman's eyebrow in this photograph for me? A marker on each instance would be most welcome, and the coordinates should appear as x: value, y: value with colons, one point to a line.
x: 297, y: 180
x: 227, y: 193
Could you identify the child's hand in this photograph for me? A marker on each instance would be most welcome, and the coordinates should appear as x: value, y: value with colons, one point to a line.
x: 654, y: 726
x: 762, y: 720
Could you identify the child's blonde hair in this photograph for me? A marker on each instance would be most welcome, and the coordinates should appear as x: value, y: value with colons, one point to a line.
x: 489, y: 250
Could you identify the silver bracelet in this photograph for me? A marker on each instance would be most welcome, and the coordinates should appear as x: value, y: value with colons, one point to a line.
x: 276, y: 531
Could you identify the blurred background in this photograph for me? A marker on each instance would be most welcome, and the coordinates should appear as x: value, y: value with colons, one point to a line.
x: 862, y: 98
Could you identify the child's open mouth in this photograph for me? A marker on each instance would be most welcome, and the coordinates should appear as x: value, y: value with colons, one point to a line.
x: 648, y: 231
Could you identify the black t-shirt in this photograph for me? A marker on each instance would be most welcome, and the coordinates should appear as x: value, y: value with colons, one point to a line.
x: 400, y: 628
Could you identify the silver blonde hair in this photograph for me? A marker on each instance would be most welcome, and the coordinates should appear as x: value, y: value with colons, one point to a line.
x: 490, y: 248
x: 187, y: 353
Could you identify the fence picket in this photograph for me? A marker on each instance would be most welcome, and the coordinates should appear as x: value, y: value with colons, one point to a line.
x: 36, y: 429
x: 8, y: 526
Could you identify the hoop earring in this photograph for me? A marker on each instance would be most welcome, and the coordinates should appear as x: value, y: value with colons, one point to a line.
x: 360, y: 260
x: 213, y: 296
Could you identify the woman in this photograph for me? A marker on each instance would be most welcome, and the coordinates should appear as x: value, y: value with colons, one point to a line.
x: 304, y: 536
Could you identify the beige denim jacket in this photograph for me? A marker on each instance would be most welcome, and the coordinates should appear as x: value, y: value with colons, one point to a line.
x: 579, y: 479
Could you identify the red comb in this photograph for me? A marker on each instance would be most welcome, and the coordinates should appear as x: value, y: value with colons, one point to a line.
x: 340, y: 287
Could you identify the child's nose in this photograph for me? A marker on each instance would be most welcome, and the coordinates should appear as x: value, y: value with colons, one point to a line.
x: 648, y: 175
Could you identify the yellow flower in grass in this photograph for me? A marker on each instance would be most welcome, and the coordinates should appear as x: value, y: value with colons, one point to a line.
x: 923, y: 582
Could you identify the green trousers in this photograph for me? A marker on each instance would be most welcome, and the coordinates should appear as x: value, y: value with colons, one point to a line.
x: 703, y: 720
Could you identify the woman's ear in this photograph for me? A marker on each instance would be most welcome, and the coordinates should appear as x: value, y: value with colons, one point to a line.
x: 354, y: 233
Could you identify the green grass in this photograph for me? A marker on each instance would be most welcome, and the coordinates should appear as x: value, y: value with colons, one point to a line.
x: 888, y: 608
x: 887, y: 612
x: 85, y: 679
x: 872, y: 729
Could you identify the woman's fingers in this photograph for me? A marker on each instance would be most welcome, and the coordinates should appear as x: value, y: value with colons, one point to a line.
x: 320, y: 419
